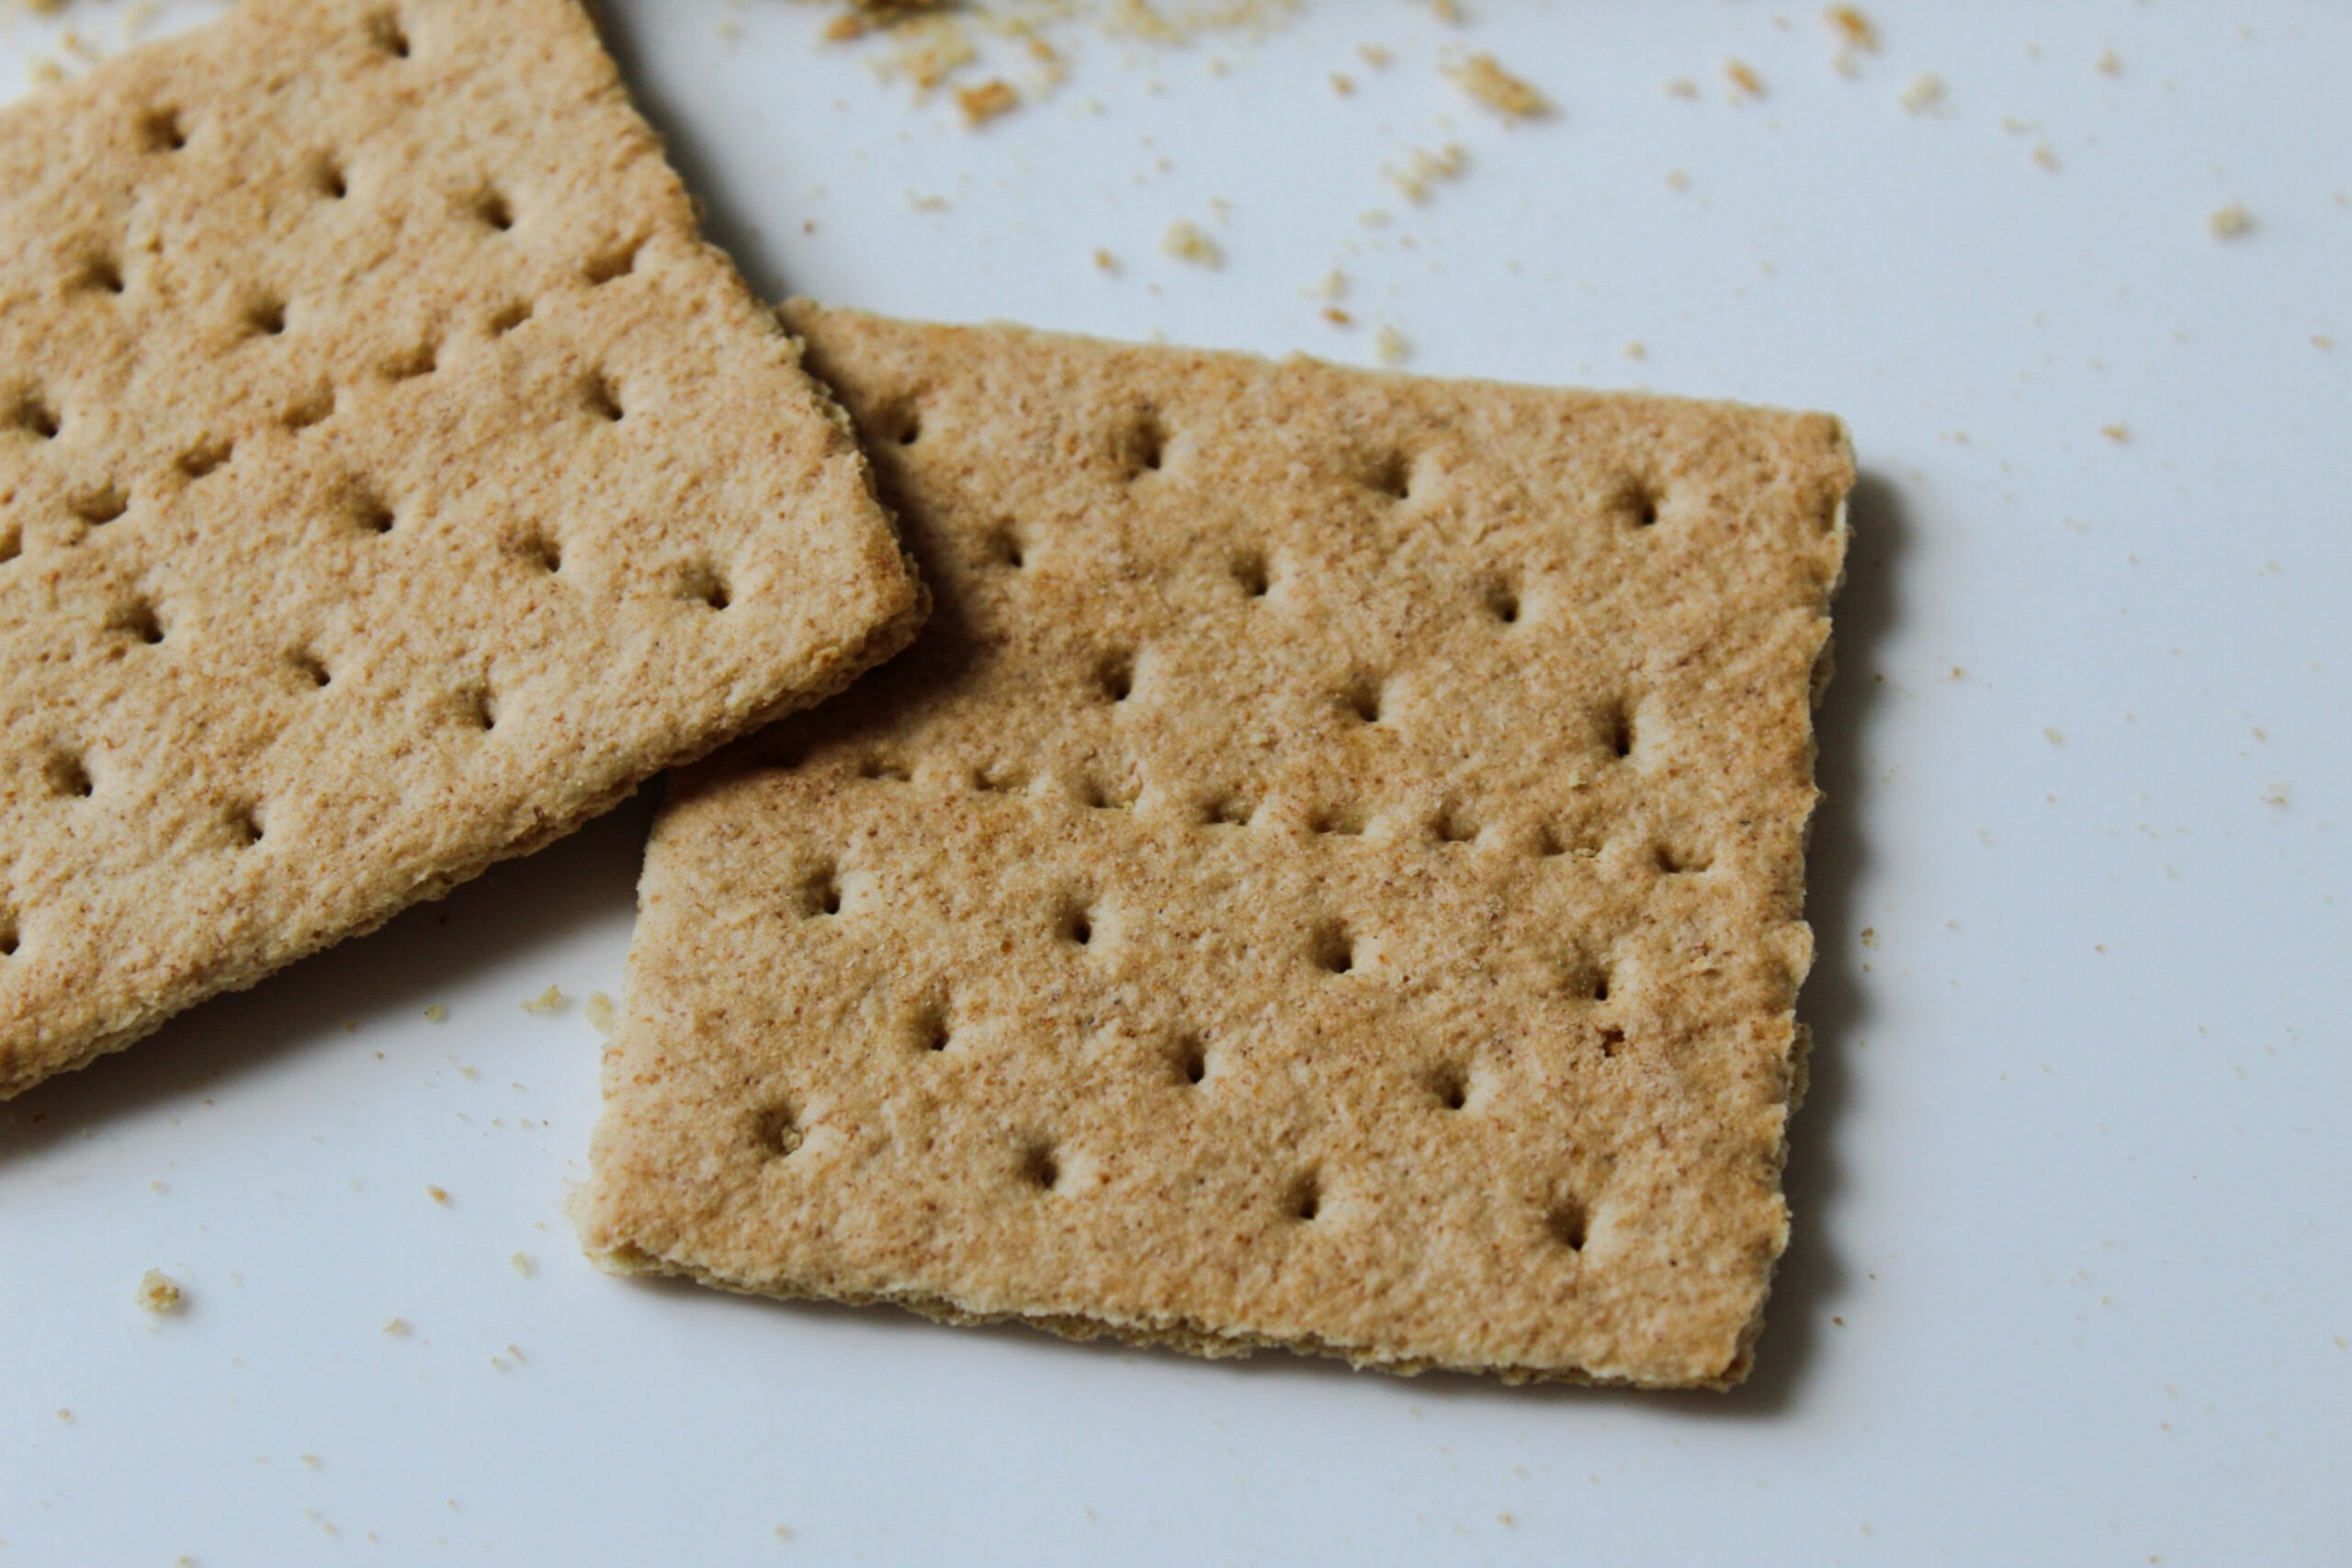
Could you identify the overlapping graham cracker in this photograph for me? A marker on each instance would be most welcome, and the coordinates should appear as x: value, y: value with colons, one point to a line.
x: 390, y: 479
x: 1330, y: 875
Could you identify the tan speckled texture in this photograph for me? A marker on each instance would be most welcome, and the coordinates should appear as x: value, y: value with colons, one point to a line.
x: 1331, y: 875
x: 377, y: 442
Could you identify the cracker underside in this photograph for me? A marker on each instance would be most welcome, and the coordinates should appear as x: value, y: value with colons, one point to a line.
x: 1329, y: 875
x: 390, y: 479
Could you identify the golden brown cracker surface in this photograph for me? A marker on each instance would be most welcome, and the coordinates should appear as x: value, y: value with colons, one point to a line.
x: 390, y: 479
x: 1330, y: 875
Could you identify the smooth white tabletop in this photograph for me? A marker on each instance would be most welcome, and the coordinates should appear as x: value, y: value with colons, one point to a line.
x: 2071, y: 1280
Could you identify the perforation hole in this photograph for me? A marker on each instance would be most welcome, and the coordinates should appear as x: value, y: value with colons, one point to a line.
x: 775, y: 1130
x: 1114, y: 676
x: 1144, y: 446
x: 307, y: 411
x: 603, y: 398
x: 385, y: 31
x: 100, y: 507
x: 1392, y: 476
x: 1500, y: 597
x: 1189, y: 1058
x: 495, y: 212
x: 930, y: 1029
x: 35, y: 418
x: 1228, y: 811
x: 1253, y: 574
x: 1344, y: 821
x: 1593, y: 978
x: 820, y: 893
x: 266, y: 317
x: 206, y: 457
x: 999, y: 778
x: 1005, y: 548
x: 1361, y: 697
x: 421, y: 360
x: 884, y: 769
x: 480, y: 706
x: 1331, y: 948
x: 370, y: 512
x: 100, y: 274
x: 328, y: 178
x: 1567, y: 1224
x: 11, y: 939
x: 1040, y: 1168
x: 705, y: 585
x: 539, y: 552
x: 12, y: 542
x: 1449, y: 1086
x: 1613, y: 1040
x: 1617, y: 729
x: 138, y: 620
x: 68, y: 776
x: 246, y: 826
x: 1454, y: 824
x: 1675, y: 859
x: 309, y: 668
x: 613, y: 263
x: 1076, y: 925
x: 162, y: 131
x: 1637, y: 501
x: 507, y: 317
x: 1305, y: 1199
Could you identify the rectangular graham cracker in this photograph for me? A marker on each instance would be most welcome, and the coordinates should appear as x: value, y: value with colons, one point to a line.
x: 390, y: 480
x: 1331, y: 875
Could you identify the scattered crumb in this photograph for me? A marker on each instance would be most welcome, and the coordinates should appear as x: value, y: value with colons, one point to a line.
x: 2324, y: 342
x: 2045, y: 155
x: 1343, y: 83
x: 2118, y: 432
x: 1338, y: 317
x: 1925, y: 92
x: 1188, y: 242
x: 2054, y: 736
x: 436, y: 1013
x: 159, y: 1293
x: 1375, y: 56
x: 1447, y: 10
x: 546, y: 1002
x: 157, y: 1187
x: 926, y: 203
x: 1637, y: 349
x: 1106, y: 261
x: 1869, y: 936
x: 598, y: 1010
x: 397, y: 1327
x: 1745, y: 82
x: 1506, y: 1519
x: 1333, y: 286
x: 984, y: 103
x: 467, y: 1072
x: 438, y: 1194
x: 784, y: 1532
x: 1852, y: 27
x: 2275, y: 797
x: 1391, y: 346
x: 2231, y: 222
x: 1425, y: 168
x: 1678, y: 179
x: 65, y: 1416
x: 2109, y: 63
x: 1681, y: 87
x: 1484, y: 79
x: 309, y: 1460
x: 525, y: 1264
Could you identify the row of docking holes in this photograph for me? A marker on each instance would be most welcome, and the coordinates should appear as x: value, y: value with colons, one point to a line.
x: 1039, y: 1167
x: 1143, y: 444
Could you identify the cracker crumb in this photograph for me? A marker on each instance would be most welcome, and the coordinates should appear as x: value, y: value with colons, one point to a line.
x: 1338, y: 317
x: 991, y: 98
x: 546, y: 1002
x: 158, y: 1188
x: 159, y: 1293
x: 1483, y: 77
x: 1106, y: 262
x: 1852, y: 27
x: 309, y: 1460
x: 1745, y: 82
x: 1681, y: 87
x: 2118, y: 432
x: 397, y: 1327
x: 438, y: 1193
x: 467, y: 1072
x: 1374, y: 55
x: 65, y: 1416
x: 2045, y: 155
x: 1188, y: 242
x: 1676, y: 179
x: 1391, y: 346
x: 1343, y: 83
x: 1637, y: 349
x: 1869, y: 936
x: 1925, y: 92
x: 1447, y: 10
x: 2053, y: 735
x: 2109, y: 63
x: 436, y: 1013
x: 525, y: 1264
x: 2231, y: 222
x: 598, y: 1010
x: 1334, y: 286
x: 2324, y: 342
x: 1425, y: 168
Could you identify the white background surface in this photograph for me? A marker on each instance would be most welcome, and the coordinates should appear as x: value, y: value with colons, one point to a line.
x: 2073, y: 1274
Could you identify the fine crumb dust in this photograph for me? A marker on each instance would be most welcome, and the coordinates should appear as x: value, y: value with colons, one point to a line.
x: 159, y: 1293
x: 2230, y: 223
x: 1483, y: 77
x: 546, y: 1002
x: 1188, y: 242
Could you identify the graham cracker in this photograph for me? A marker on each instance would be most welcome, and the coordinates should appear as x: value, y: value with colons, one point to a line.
x: 390, y: 479
x: 1331, y: 875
